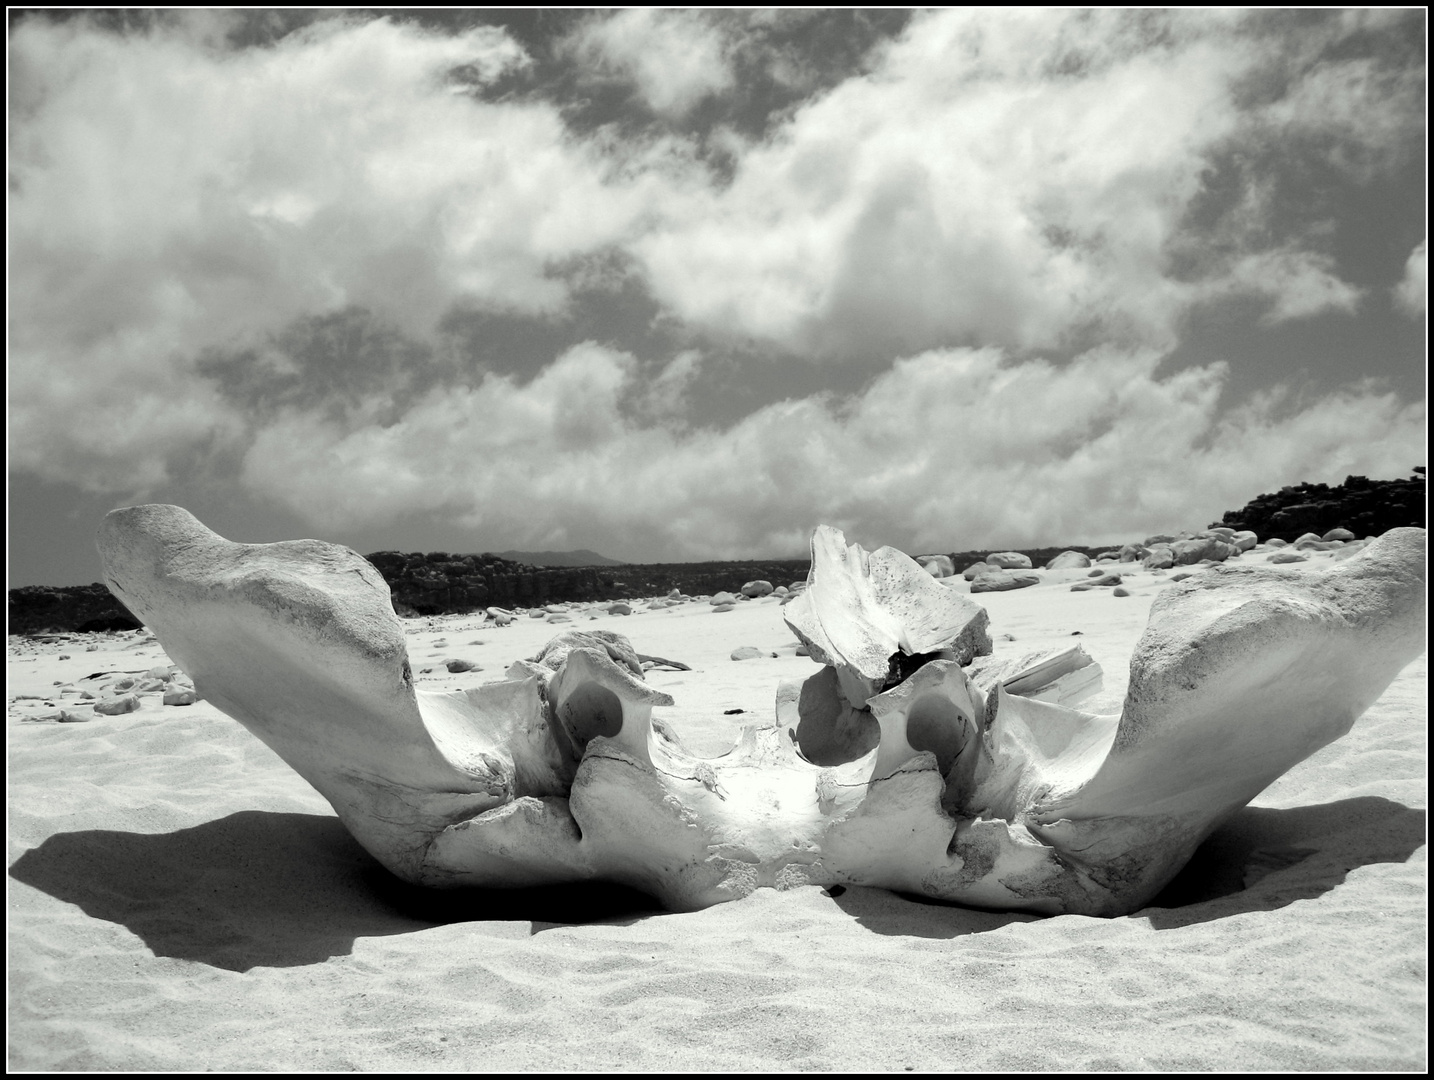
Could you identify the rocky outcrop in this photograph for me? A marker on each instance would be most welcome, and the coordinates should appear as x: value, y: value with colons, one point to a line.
x: 64, y: 608
x: 1365, y: 507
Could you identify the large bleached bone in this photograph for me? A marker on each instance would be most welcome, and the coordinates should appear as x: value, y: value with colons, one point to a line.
x: 863, y: 611
x: 894, y: 766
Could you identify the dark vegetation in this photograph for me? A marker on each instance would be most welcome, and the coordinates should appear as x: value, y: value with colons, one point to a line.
x: 1365, y: 507
x: 437, y: 583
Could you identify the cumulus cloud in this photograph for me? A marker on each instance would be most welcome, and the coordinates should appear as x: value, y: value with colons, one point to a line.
x: 947, y: 450
x: 675, y: 58
x: 1019, y: 177
x: 169, y: 197
x: 1412, y: 292
x: 987, y: 186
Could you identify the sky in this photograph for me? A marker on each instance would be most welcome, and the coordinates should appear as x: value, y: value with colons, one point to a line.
x: 681, y: 285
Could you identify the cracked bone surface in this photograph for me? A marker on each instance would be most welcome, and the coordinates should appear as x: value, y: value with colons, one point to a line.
x: 912, y: 760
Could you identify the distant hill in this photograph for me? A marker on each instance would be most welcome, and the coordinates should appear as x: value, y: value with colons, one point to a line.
x: 581, y: 557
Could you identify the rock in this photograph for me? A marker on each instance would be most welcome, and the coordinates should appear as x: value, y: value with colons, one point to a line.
x: 1161, y: 557
x: 1120, y: 592
x: 537, y: 613
x: 722, y: 598
x: 159, y: 672
x: 1068, y: 560
x: 1186, y: 552
x: 747, y: 652
x: 675, y: 594
x: 724, y: 607
x: 1182, y: 575
x: 1275, y: 542
x: 92, y: 648
x: 1097, y: 573
x: 1005, y: 581
x: 1133, y: 552
x: 1219, y: 532
x: 1105, y: 581
x: 938, y: 566
x: 559, y: 617
x: 976, y: 569
x: 801, y: 650
x: 149, y: 686
x: 67, y: 717
x: 1159, y: 538
x: 755, y: 589
x: 181, y: 695
x: 1287, y: 557
x: 63, y: 656
x: 455, y: 666
x: 619, y: 609
x: 1244, y: 540
x: 780, y: 590
x: 118, y: 706
x: 1009, y: 560
x: 1306, y: 538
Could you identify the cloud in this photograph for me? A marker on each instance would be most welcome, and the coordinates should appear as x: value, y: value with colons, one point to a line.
x: 675, y: 58
x: 1298, y: 284
x: 1412, y: 292
x: 1022, y: 179
x: 203, y: 239
x: 950, y: 449
x: 170, y: 197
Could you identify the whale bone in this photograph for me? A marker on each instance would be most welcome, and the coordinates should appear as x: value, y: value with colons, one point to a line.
x: 956, y: 782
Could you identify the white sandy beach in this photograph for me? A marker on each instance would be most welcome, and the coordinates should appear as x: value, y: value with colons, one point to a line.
x: 179, y: 899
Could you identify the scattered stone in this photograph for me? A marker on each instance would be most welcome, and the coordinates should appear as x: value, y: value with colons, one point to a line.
x: 559, y: 617
x: 801, y: 650
x: 755, y: 589
x: 455, y: 666
x: 722, y: 598
x: 1199, y: 548
x: 620, y: 609
x: 1095, y: 573
x: 1005, y: 581
x: 747, y: 652
x: 1161, y: 557
x: 67, y: 717
x: 1009, y: 560
x: 1287, y: 557
x: 1275, y: 542
x: 64, y: 656
x: 1105, y: 581
x: 1068, y: 560
x: 1133, y: 552
x: 92, y: 648
x: 675, y: 594
x: 724, y: 607
x: 1122, y: 591
x: 780, y: 590
x: 732, y: 712
x: 1182, y: 575
x: 181, y: 695
x: 976, y: 569
x: 1159, y: 538
x: 128, y: 703
x: 1244, y: 540
x: 537, y: 613
x: 1339, y: 534
x: 938, y: 566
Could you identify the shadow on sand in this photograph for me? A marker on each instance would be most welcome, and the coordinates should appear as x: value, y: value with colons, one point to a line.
x: 282, y: 890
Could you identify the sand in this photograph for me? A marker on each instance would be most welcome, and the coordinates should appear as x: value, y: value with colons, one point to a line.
x: 180, y: 900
